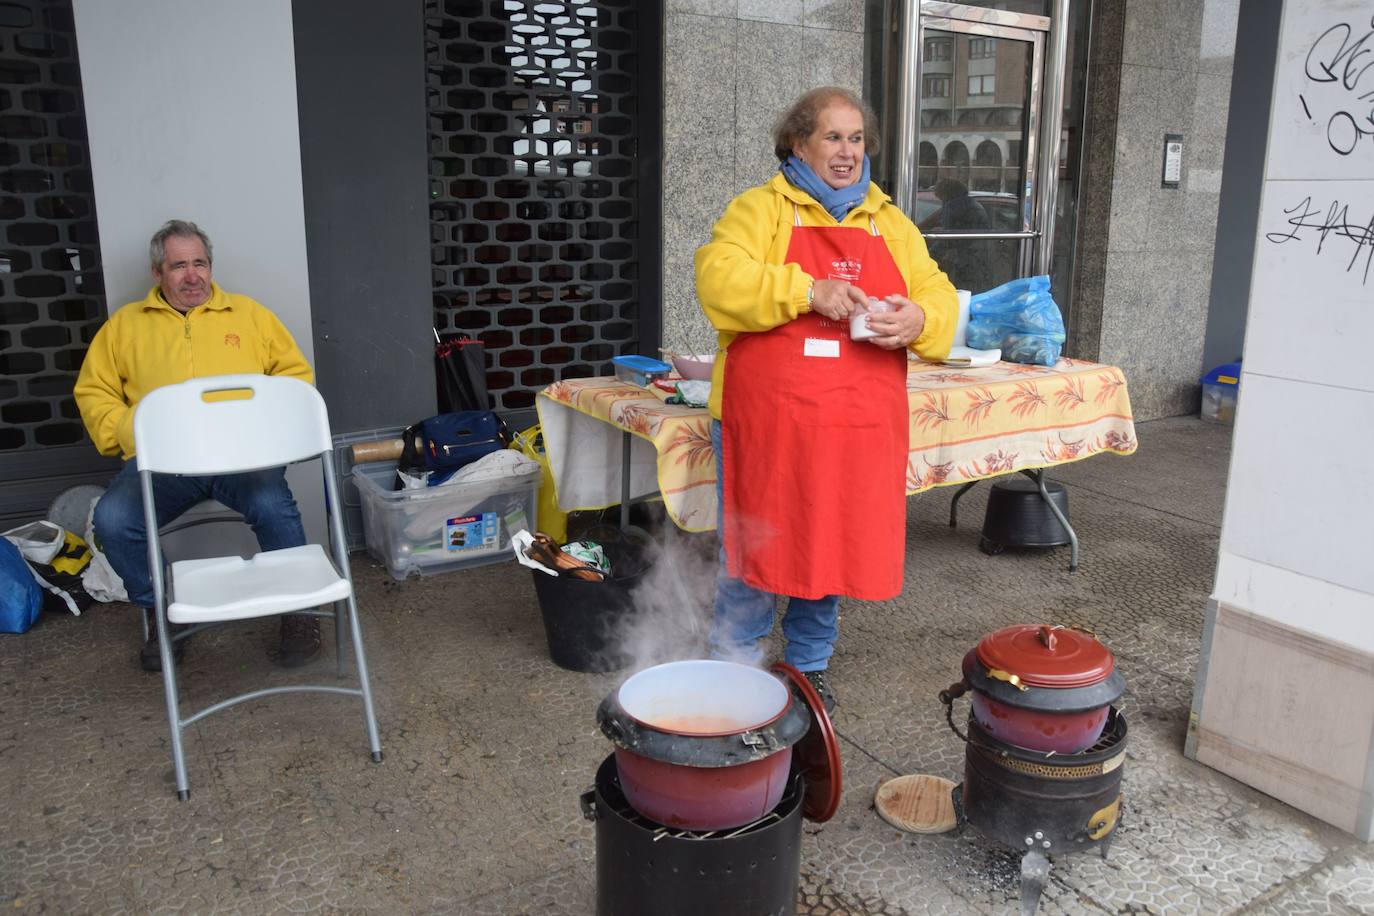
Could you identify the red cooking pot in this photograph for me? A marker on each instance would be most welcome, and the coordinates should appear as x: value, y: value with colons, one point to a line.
x: 703, y: 744
x: 1045, y: 688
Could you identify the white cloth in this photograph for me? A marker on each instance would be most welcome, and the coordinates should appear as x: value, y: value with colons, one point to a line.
x: 599, y: 449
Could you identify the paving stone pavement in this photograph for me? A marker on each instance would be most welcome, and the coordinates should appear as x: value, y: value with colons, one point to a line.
x: 488, y: 744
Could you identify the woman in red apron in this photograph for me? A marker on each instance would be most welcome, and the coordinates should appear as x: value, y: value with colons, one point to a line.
x: 810, y: 427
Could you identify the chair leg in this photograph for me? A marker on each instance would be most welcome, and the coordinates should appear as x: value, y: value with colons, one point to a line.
x: 339, y: 612
x: 169, y: 687
x: 360, y: 658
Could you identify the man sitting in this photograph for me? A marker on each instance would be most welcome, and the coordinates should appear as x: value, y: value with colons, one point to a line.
x: 186, y: 327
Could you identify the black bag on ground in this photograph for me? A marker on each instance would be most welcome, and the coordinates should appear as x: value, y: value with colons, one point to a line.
x: 460, y: 374
x: 444, y: 443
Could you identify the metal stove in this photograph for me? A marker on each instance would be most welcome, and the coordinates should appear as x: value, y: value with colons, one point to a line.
x: 1042, y: 804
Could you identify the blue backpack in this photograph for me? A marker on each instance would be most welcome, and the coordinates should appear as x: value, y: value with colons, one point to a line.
x: 21, y: 598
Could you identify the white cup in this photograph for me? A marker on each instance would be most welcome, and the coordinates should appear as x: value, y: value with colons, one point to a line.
x: 961, y: 328
x: 858, y: 320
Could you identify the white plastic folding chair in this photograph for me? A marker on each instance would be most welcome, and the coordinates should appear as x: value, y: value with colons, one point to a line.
x: 234, y: 424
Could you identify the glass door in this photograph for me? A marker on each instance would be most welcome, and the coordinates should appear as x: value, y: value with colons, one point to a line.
x: 969, y: 94
x: 978, y: 111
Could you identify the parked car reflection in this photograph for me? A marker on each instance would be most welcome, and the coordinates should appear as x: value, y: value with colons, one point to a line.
x: 962, y: 210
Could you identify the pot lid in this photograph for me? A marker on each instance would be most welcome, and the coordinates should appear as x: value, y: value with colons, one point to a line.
x: 817, y: 755
x: 1045, y: 656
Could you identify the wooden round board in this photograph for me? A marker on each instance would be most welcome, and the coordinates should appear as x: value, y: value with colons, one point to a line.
x: 917, y: 803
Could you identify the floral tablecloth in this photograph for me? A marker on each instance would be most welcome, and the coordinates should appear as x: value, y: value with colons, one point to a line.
x: 966, y: 424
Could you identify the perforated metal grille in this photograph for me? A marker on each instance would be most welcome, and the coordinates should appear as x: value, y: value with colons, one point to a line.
x: 535, y: 205
x: 51, y: 288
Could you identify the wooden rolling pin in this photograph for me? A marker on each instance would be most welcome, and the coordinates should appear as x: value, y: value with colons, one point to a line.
x: 377, y: 450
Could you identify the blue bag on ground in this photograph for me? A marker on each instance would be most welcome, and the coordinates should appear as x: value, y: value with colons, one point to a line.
x: 21, y: 598
x: 1021, y: 318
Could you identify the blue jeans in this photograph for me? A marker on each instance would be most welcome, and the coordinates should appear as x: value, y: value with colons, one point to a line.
x: 261, y: 497
x: 744, y: 614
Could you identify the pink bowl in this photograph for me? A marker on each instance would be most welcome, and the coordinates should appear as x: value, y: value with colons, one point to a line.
x: 1063, y: 733
x: 696, y: 367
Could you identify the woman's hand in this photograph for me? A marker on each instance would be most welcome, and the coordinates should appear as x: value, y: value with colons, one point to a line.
x: 898, y: 328
x: 836, y: 299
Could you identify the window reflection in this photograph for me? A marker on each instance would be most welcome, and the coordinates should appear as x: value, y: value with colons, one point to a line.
x: 973, y: 102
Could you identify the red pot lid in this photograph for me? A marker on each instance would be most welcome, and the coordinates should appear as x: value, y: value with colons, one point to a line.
x: 1046, y: 656
x: 817, y: 755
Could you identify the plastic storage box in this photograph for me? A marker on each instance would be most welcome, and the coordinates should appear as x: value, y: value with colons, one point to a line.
x: 1219, y: 390
x: 444, y: 528
x: 639, y: 370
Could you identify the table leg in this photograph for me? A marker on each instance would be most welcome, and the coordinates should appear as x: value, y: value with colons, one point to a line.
x: 625, y: 481
x: 1038, y: 475
x: 954, y: 503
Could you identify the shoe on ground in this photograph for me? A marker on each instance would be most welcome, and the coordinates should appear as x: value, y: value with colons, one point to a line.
x: 817, y: 680
x: 150, y: 656
x: 300, y: 639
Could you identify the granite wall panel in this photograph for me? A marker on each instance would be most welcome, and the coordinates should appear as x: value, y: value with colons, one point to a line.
x: 1155, y: 257
x: 731, y: 68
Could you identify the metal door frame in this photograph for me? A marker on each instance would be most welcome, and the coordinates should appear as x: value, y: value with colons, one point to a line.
x: 1048, y: 37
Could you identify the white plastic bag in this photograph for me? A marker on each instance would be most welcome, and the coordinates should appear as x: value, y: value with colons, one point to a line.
x: 100, y: 580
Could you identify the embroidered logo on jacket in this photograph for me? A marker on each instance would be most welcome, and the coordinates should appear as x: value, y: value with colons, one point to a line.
x: 231, y: 340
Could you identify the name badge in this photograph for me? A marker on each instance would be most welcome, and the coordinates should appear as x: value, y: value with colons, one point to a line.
x: 819, y: 346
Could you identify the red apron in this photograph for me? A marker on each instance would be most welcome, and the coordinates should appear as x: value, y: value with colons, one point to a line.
x: 816, y: 434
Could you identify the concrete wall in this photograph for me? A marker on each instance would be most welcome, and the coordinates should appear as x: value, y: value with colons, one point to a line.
x: 191, y: 108
x: 191, y: 111
x: 1151, y: 257
x: 1286, y: 698
x: 731, y: 67
x: 360, y: 69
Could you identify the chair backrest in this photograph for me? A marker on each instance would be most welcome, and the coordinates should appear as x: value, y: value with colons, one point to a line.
x: 178, y: 431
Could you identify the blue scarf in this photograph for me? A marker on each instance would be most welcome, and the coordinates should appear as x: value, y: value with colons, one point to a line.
x: 838, y: 201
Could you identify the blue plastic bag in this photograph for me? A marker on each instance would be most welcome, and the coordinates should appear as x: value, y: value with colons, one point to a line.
x: 1021, y: 318
x: 21, y: 598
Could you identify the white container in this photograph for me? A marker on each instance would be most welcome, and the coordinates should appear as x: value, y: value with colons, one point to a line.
x: 858, y: 320
x: 704, y: 696
x: 961, y: 326
x: 440, y: 529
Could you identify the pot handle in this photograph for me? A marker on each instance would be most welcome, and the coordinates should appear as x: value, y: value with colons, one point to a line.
x: 947, y: 697
x: 588, y: 802
x: 1047, y: 636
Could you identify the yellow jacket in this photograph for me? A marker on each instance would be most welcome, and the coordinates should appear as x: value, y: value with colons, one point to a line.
x: 743, y: 284
x: 148, y: 344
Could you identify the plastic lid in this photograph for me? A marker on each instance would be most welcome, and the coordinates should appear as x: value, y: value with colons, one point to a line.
x: 817, y: 755
x: 1046, y: 656
x: 1227, y: 374
x: 641, y: 363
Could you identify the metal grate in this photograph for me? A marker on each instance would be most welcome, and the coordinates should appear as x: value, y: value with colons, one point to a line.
x: 535, y: 202
x: 51, y: 288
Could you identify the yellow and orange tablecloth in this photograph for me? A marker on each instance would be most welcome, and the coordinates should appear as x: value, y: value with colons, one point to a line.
x: 966, y: 425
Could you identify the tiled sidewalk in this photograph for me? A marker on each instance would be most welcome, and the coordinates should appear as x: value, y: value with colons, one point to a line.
x: 489, y: 745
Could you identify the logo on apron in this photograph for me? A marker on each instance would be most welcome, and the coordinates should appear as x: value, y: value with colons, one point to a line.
x: 846, y: 269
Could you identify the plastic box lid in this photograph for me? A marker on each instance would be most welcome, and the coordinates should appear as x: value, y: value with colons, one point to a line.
x: 1225, y: 374
x: 642, y: 363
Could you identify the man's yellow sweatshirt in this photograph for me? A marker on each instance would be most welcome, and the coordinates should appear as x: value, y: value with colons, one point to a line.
x: 148, y: 344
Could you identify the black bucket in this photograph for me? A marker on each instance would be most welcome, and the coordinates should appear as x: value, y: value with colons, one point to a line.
x: 583, y: 618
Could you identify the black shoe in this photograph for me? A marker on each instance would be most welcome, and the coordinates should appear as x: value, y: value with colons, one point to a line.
x: 817, y: 680
x: 150, y: 656
x: 300, y: 639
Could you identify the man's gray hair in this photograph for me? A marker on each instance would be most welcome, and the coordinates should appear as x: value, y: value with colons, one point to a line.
x: 157, y: 248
